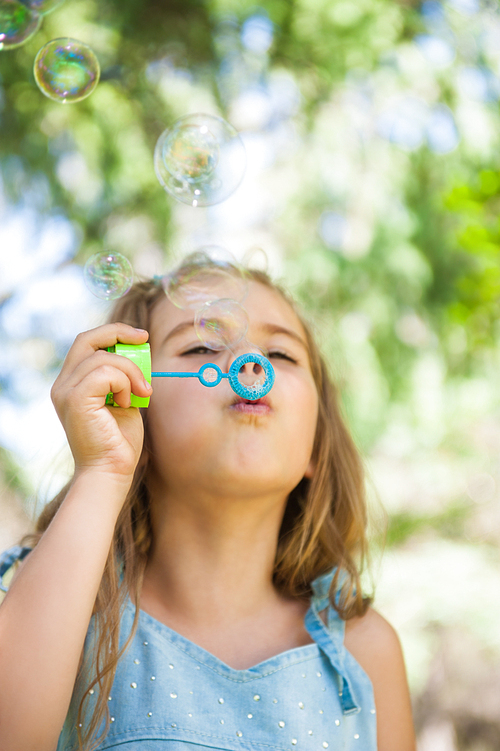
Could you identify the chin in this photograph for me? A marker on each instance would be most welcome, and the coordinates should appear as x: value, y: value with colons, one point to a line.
x: 258, y: 477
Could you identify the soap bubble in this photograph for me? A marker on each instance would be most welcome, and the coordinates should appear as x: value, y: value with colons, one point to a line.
x: 203, y: 279
x: 17, y: 24
x: 43, y: 6
x: 221, y: 324
x: 256, y: 258
x: 66, y: 70
x: 108, y: 275
x: 190, y: 290
x: 200, y: 160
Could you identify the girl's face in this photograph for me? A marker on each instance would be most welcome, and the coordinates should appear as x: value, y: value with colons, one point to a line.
x: 208, y: 439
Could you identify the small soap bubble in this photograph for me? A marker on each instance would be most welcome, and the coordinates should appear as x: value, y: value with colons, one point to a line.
x: 43, y: 6
x: 256, y: 258
x: 221, y: 324
x: 205, y: 279
x: 108, y: 275
x: 66, y: 70
x: 18, y: 23
x: 200, y: 160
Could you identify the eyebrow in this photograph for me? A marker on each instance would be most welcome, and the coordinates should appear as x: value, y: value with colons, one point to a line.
x: 269, y: 328
x: 178, y: 330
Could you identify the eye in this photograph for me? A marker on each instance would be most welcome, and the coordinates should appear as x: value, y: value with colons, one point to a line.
x: 276, y: 353
x: 199, y: 350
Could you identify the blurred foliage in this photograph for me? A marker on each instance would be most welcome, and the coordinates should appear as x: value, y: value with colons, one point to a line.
x: 476, y: 304
x: 12, y: 477
x: 116, y: 129
x: 449, y: 523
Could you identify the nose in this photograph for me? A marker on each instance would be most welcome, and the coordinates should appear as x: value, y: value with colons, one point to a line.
x: 250, y: 374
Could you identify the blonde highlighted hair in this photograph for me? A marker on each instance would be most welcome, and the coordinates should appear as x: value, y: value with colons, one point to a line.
x: 324, y: 524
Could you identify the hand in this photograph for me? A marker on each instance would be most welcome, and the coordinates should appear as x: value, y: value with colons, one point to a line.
x: 108, y: 439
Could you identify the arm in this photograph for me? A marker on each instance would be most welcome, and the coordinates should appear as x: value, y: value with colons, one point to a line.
x: 375, y: 645
x: 45, y: 615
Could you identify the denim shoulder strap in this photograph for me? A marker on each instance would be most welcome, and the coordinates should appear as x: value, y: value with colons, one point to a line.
x: 330, y: 638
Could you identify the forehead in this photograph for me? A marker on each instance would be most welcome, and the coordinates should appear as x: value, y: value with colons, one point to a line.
x: 263, y: 304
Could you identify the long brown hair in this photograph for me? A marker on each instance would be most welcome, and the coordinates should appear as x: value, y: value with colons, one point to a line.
x: 324, y: 524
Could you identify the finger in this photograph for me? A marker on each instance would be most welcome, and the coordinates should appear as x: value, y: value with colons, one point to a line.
x: 96, y: 385
x: 102, y: 337
x: 136, y: 382
x: 101, y: 357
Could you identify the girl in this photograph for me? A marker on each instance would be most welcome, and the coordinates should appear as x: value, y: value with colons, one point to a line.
x: 196, y: 584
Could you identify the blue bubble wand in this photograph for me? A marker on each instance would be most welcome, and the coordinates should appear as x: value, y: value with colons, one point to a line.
x: 246, y: 392
x: 209, y: 374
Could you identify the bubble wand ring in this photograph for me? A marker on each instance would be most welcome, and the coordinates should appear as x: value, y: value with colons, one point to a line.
x: 251, y: 393
x: 141, y: 355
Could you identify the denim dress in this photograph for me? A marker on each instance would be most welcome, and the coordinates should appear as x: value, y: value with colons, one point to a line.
x: 171, y: 694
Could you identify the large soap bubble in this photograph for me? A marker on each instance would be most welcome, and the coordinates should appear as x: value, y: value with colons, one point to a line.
x: 17, y: 24
x: 43, y: 6
x: 200, y: 160
x: 205, y: 279
x: 66, y: 70
x: 221, y: 324
x: 108, y: 275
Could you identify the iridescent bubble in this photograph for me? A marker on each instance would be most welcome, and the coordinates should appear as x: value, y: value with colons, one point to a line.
x: 256, y: 257
x: 108, y: 275
x: 17, y: 24
x: 200, y: 160
x: 203, y: 279
x: 192, y: 151
x: 221, y: 324
x: 43, y: 6
x: 66, y: 70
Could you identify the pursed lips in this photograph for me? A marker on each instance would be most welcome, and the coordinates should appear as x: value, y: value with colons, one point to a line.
x: 256, y: 407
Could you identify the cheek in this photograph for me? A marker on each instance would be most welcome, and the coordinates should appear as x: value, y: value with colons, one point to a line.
x: 311, y: 421
x: 183, y: 419
x: 311, y: 408
x: 310, y: 424
x: 174, y: 407
x: 308, y: 399
x: 302, y: 418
